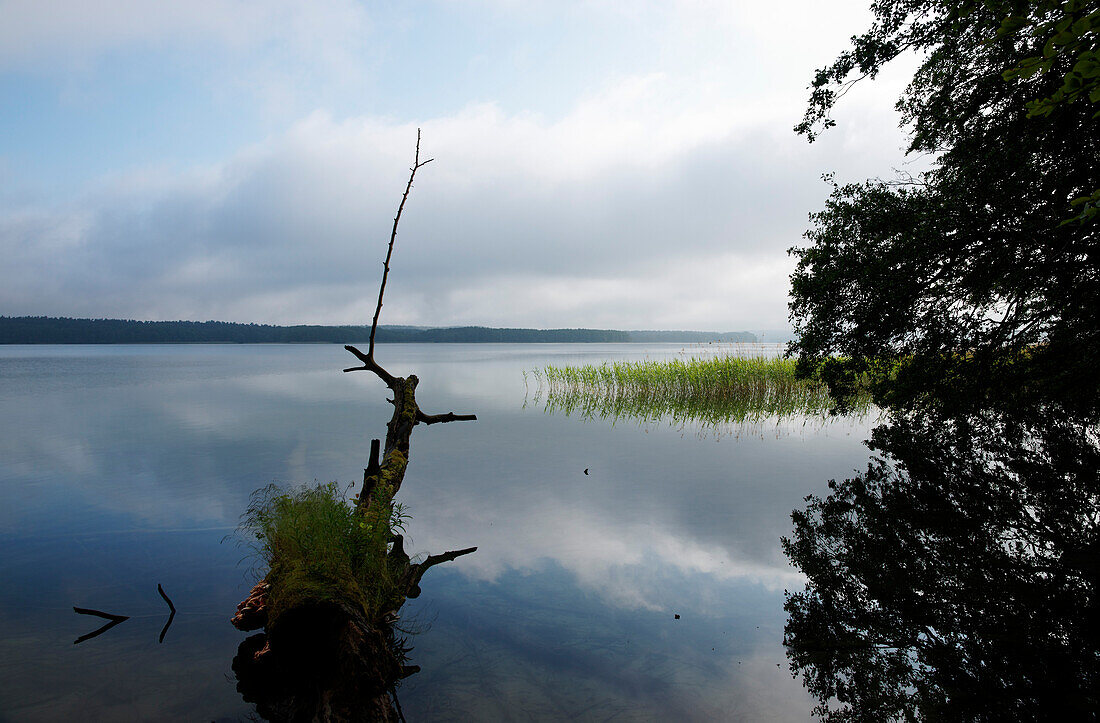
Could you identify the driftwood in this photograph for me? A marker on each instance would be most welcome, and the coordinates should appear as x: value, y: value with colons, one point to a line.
x: 325, y: 661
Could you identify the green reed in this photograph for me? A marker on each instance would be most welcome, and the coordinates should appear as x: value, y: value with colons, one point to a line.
x: 731, y: 388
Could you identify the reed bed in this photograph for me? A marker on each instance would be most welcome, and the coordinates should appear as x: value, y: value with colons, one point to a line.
x: 723, y: 389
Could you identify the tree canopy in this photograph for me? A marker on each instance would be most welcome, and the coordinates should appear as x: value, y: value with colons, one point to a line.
x: 977, y: 281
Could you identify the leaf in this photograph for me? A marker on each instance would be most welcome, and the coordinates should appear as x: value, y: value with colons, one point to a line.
x: 1029, y: 72
x: 1011, y: 24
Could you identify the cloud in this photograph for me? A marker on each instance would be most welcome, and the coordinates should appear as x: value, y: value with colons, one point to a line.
x: 644, y: 206
x: 61, y: 32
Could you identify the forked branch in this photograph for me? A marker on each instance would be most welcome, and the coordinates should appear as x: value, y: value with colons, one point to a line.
x: 370, y: 365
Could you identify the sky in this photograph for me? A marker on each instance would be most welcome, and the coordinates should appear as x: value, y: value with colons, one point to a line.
x: 622, y: 164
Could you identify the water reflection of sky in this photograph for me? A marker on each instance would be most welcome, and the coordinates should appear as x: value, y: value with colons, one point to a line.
x: 122, y: 467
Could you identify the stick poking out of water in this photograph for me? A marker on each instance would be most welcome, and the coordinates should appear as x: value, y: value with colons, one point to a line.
x: 171, y: 616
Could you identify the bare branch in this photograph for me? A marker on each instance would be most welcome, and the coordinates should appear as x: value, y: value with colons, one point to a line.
x: 393, y: 236
x: 370, y: 365
x: 448, y: 417
x: 433, y: 560
x: 416, y: 572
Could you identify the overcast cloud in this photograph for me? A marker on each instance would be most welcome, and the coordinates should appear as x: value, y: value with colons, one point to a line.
x: 657, y: 185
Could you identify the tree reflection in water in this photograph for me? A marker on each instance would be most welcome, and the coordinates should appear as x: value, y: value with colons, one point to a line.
x: 959, y: 579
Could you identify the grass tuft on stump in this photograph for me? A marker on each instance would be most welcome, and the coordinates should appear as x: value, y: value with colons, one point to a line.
x: 317, y: 548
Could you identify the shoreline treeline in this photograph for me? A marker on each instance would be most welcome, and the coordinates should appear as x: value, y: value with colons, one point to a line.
x: 63, y: 330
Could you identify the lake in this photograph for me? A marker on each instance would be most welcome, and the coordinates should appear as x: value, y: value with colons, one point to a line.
x: 125, y: 467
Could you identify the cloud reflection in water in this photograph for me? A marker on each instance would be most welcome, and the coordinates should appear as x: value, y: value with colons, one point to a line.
x: 176, y: 438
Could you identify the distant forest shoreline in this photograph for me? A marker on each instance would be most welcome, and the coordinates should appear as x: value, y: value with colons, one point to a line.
x: 63, y: 330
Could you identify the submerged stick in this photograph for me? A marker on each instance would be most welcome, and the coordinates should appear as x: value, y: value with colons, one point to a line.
x: 171, y: 615
x: 165, y: 596
x: 112, y: 619
x: 164, y: 630
x: 100, y: 614
x: 97, y: 632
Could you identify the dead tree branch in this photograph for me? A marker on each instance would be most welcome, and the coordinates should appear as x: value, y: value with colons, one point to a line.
x: 416, y: 572
x: 362, y: 650
x: 371, y: 366
x: 393, y: 237
x: 406, y: 413
x: 448, y: 417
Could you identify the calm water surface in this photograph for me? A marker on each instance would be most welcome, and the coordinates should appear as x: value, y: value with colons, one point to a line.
x: 122, y: 467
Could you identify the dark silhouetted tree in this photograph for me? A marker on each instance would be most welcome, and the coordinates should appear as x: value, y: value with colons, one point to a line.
x: 973, y: 282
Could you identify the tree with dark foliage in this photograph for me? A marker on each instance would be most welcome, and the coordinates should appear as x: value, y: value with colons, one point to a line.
x: 974, y: 283
x: 958, y: 577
